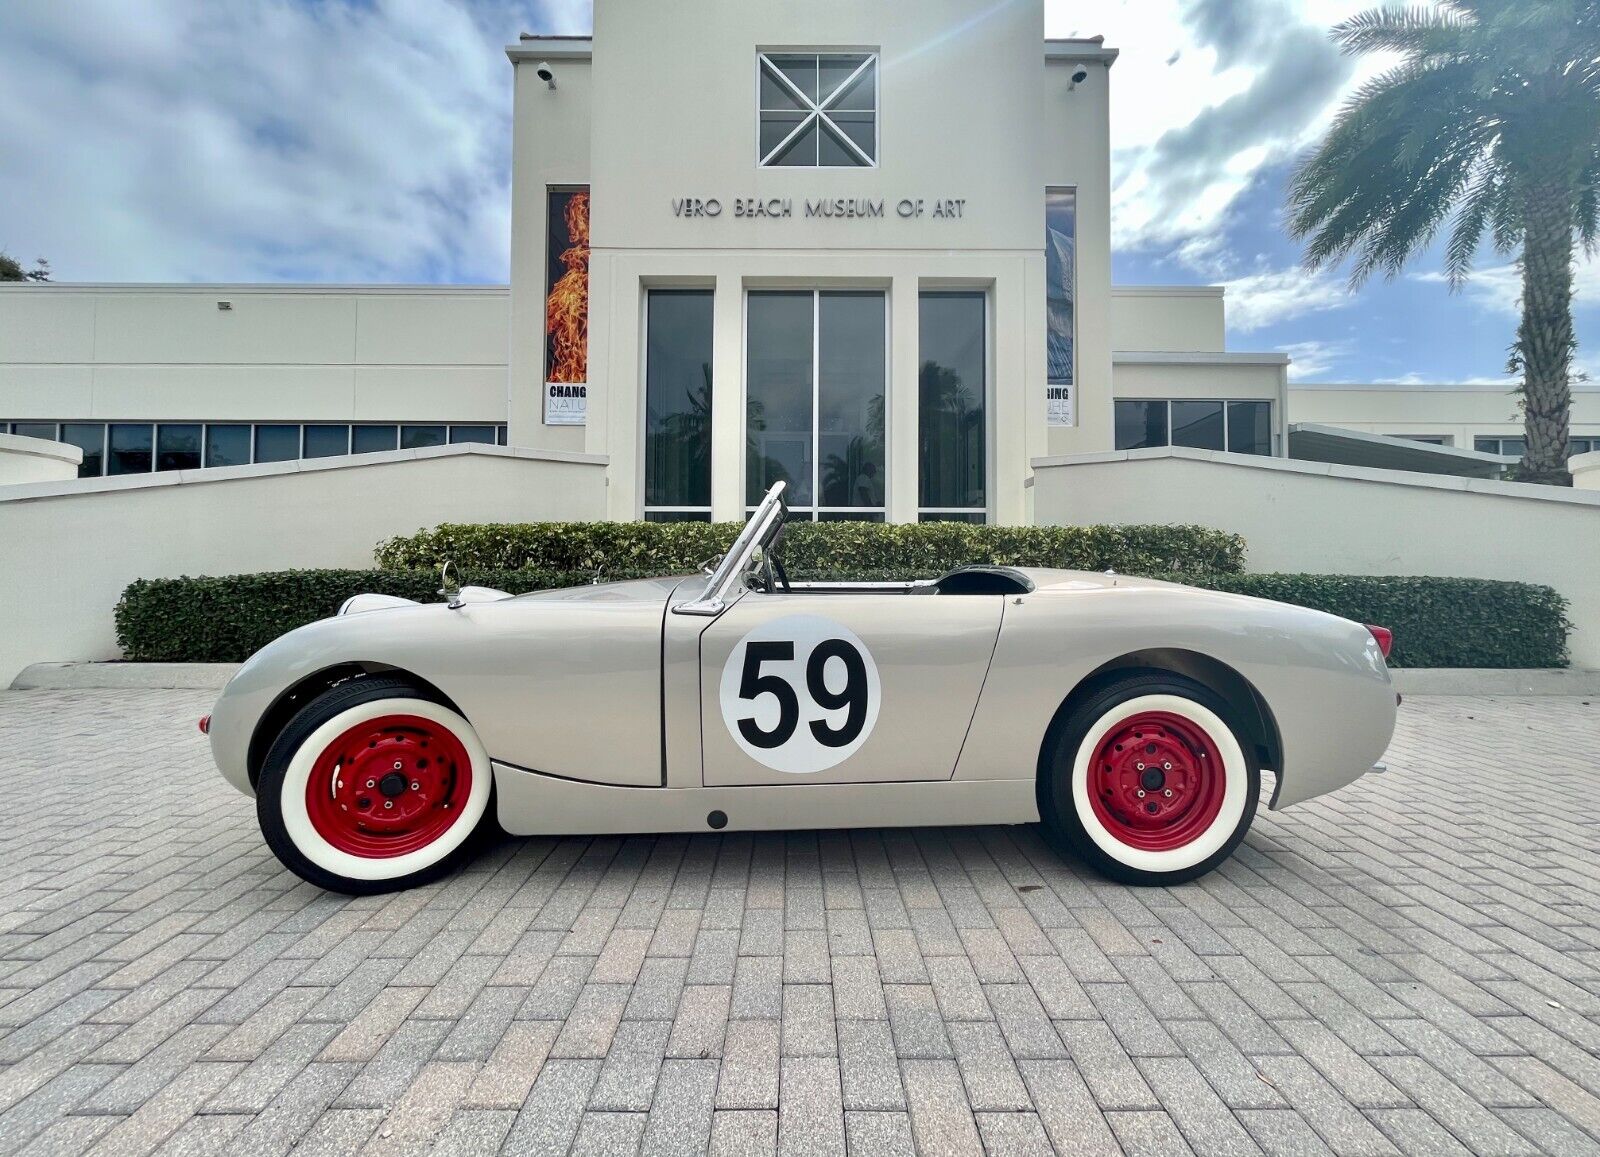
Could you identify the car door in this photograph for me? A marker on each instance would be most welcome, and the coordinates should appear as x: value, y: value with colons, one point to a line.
x: 842, y: 687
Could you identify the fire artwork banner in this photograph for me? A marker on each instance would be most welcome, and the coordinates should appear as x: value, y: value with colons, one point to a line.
x: 1060, y: 262
x: 566, y: 313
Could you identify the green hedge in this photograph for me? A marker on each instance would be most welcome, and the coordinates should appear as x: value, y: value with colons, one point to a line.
x: 1438, y: 622
x: 672, y: 548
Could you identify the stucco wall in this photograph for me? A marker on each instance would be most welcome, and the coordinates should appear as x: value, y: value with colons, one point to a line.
x: 36, y: 460
x: 1303, y: 516
x: 1585, y: 470
x: 1459, y: 413
x: 281, y: 353
x: 1167, y: 318
x: 86, y: 540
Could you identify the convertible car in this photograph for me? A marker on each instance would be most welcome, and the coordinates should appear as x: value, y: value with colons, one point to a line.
x: 1131, y: 718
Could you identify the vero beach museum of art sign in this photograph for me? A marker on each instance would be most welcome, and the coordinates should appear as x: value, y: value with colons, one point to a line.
x: 857, y: 208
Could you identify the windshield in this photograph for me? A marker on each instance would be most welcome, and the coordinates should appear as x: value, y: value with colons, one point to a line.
x: 760, y: 533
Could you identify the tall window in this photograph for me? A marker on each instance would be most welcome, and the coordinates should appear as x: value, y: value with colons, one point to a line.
x: 677, y: 404
x: 818, y: 110
x: 951, y: 407
x: 1060, y: 294
x: 814, y: 401
x: 1237, y: 427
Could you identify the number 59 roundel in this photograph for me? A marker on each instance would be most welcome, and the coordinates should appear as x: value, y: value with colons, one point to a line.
x: 800, y: 694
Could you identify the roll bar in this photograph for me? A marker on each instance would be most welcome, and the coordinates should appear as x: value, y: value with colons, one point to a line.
x: 764, y: 522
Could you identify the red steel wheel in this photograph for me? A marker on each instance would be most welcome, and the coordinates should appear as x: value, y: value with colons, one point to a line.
x: 388, y: 786
x: 1157, y: 781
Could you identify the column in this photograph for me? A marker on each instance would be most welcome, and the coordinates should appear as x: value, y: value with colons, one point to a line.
x: 902, y: 401
x: 727, y: 400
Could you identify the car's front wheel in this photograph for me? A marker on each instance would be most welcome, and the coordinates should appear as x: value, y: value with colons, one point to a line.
x: 372, y: 787
x: 1149, y: 780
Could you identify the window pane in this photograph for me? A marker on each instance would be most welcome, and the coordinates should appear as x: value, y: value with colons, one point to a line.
x: 227, y: 445
x: 1250, y: 427
x: 778, y: 402
x: 801, y: 152
x: 277, y: 443
x: 45, y: 430
x: 850, y: 516
x: 1060, y: 259
x: 677, y: 448
x: 178, y: 447
x: 327, y: 441
x: 832, y: 150
x: 370, y: 439
x: 131, y: 447
x: 90, y: 437
x: 951, y: 380
x: 484, y: 434
x: 677, y: 516
x: 799, y: 68
x: 500, y: 435
x: 975, y: 517
x: 859, y: 96
x: 774, y: 93
x: 411, y: 437
x: 1514, y: 446
x: 1141, y: 424
x: 850, y: 377
x: 1580, y: 445
x: 1197, y: 424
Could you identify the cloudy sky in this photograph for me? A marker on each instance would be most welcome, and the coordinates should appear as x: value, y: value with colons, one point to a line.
x: 369, y: 140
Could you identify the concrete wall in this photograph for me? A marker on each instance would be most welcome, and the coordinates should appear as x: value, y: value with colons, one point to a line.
x: 1167, y: 318
x: 36, y: 460
x: 1585, y: 470
x: 1459, y: 413
x: 87, y: 540
x: 280, y: 353
x: 1304, y: 516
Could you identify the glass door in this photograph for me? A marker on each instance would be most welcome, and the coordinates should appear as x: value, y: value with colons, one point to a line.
x: 815, y: 382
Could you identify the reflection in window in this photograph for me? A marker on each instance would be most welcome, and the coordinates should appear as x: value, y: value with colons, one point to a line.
x: 1250, y: 428
x: 178, y: 447
x: 227, y: 445
x: 371, y: 439
x: 131, y: 448
x: 277, y: 443
x: 818, y: 109
x: 817, y: 424
x: 414, y: 437
x: 480, y: 434
x: 952, y: 437
x: 1141, y: 424
x: 678, y: 398
x: 1198, y: 425
x: 327, y: 441
x: 45, y: 430
x: 90, y: 437
x: 1243, y: 427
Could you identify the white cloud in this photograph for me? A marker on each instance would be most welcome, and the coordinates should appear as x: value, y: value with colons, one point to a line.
x: 268, y: 141
x: 1313, y: 359
x: 1258, y: 300
x: 1498, y: 288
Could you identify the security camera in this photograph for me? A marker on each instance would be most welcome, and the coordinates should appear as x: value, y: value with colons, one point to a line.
x: 545, y: 74
x: 1079, y: 75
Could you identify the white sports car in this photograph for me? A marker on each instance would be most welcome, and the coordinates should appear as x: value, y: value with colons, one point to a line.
x: 1132, y: 718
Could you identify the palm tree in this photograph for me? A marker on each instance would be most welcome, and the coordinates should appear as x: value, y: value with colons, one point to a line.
x: 1492, y: 114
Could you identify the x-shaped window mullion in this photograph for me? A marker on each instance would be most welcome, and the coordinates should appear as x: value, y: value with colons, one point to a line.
x: 816, y: 111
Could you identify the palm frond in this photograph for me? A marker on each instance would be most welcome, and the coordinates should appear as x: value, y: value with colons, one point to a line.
x: 1414, y: 30
x: 1467, y: 231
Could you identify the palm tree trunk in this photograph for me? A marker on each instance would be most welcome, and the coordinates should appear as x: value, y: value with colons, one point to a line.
x: 1544, y: 336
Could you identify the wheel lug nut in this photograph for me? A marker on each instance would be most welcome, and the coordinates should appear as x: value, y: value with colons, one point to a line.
x: 1166, y: 767
x: 1138, y: 767
x: 1168, y: 793
x: 398, y: 765
x: 372, y: 783
x: 388, y: 803
x: 415, y: 786
x: 1141, y: 793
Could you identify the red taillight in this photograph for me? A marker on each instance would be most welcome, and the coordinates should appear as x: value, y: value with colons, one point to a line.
x: 1384, y: 636
x: 205, y: 720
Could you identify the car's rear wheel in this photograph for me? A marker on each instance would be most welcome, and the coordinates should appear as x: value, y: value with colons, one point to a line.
x: 1149, y: 780
x: 372, y: 787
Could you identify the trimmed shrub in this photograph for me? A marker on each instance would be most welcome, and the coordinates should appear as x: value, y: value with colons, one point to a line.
x: 611, y: 548
x: 1438, y: 622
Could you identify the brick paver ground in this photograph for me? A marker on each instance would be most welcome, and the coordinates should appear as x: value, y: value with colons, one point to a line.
x: 1412, y: 965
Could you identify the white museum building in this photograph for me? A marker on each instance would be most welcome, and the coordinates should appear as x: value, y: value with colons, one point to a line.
x: 810, y: 257
x: 862, y: 247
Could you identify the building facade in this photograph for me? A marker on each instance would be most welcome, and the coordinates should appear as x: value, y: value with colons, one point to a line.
x: 864, y: 248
